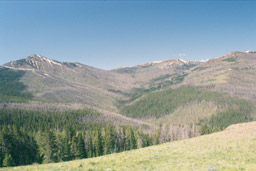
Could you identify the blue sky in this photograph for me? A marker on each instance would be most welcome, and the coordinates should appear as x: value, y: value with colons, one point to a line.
x: 110, y: 34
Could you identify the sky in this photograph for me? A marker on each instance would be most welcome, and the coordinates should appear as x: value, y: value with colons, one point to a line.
x: 111, y: 34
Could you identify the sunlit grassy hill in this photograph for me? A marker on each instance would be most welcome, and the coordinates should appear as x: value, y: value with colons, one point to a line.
x: 231, y: 149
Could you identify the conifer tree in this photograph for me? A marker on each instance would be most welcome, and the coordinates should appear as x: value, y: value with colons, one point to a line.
x: 145, y: 141
x: 109, y: 140
x: 99, y: 143
x: 74, y: 147
x: 1, y: 150
x: 133, y: 142
x: 90, y: 147
x: 33, y: 150
x: 6, y: 140
x: 8, y: 160
x: 81, y: 152
x: 157, y: 136
x: 49, y: 147
x: 66, y: 153
x: 19, y: 153
x: 70, y: 133
x: 8, y: 143
x: 124, y: 145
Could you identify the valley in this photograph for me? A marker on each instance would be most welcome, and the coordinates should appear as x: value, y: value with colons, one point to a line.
x: 111, y: 111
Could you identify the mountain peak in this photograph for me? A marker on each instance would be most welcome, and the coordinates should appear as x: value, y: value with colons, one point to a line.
x: 39, y: 58
x: 35, y: 61
x: 176, y: 61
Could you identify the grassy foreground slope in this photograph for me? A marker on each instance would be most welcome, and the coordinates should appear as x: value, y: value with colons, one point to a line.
x: 231, y: 149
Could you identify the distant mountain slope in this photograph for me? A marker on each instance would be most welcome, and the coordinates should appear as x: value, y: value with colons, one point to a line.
x: 233, y: 73
x: 154, y: 92
x: 11, y: 87
x: 63, y: 82
x: 148, y: 73
x: 232, y: 149
x: 157, y: 104
x: 53, y: 81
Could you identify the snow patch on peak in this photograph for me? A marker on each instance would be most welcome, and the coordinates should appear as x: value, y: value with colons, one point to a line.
x: 37, y: 56
x: 250, y: 51
x: 156, y: 62
x: 51, y: 61
x: 204, y: 60
x: 184, y: 61
x: 153, y: 62
x: 42, y: 58
x: 79, y: 65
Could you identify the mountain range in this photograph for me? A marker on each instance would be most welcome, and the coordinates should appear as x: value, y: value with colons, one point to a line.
x: 66, y: 82
x: 162, y: 92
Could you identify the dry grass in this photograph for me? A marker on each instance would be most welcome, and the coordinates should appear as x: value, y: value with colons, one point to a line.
x: 232, y: 149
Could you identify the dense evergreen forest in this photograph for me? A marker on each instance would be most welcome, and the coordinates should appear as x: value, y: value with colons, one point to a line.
x: 158, y: 104
x: 29, y: 137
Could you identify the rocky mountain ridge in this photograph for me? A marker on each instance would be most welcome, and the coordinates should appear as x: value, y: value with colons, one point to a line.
x: 65, y: 82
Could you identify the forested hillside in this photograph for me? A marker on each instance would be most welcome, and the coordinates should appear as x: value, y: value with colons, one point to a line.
x: 29, y: 137
x: 231, y: 149
x: 159, y: 104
